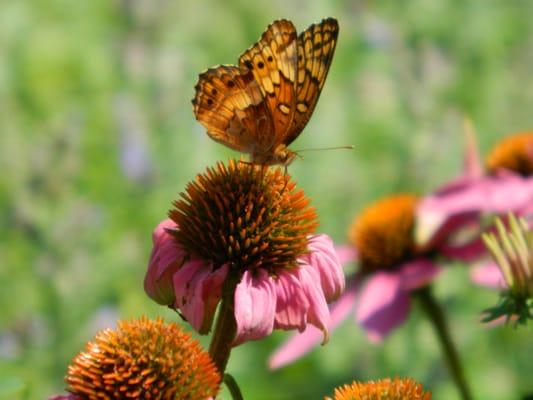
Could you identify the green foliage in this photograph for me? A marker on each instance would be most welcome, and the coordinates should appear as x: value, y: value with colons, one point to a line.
x: 97, y: 137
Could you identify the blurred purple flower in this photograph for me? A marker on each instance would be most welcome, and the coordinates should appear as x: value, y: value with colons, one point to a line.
x: 133, y: 147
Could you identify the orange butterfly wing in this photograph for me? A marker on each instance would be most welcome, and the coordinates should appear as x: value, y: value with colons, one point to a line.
x: 264, y: 103
x: 273, y: 62
x: 316, y: 46
x: 230, y: 105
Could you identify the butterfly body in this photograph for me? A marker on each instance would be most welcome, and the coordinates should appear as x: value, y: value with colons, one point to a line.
x: 262, y: 105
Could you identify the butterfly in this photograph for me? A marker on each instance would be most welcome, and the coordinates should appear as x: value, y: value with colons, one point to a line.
x: 261, y: 105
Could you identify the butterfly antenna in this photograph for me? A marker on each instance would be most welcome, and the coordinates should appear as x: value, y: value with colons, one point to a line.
x: 347, y: 147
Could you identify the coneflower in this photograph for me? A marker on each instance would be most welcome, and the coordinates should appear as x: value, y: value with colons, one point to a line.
x: 393, y: 271
x: 384, y: 389
x: 243, y: 235
x: 143, y: 359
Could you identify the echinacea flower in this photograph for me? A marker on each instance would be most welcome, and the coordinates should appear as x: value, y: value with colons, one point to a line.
x: 505, y: 186
x: 245, y: 232
x: 382, y: 238
x: 142, y: 359
x: 383, y: 389
x: 512, y: 250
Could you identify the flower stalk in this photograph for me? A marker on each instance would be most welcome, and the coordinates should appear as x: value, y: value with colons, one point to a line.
x: 225, y: 327
x: 435, y: 314
x: 232, y: 386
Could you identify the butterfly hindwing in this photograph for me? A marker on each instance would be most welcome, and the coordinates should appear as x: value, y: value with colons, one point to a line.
x: 230, y: 105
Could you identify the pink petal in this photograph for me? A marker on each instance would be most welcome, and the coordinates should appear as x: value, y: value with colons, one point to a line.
x: 324, y: 259
x: 301, y: 343
x: 346, y: 253
x: 198, y: 291
x: 417, y: 273
x: 255, y: 306
x: 318, y: 312
x: 382, y: 306
x: 440, y: 214
x: 291, y: 303
x: 466, y: 252
x: 488, y: 275
x: 165, y: 260
x: 508, y: 192
x: 496, y: 194
x: 432, y: 230
x: 473, y: 167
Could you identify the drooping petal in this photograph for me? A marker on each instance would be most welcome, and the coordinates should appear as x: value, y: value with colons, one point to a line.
x: 417, y: 273
x: 461, y: 204
x: 318, y: 312
x: 501, y: 193
x: 435, y: 229
x: 473, y: 167
x: 291, y: 303
x: 382, y: 305
x: 508, y: 192
x: 167, y: 256
x: 255, y: 306
x: 198, y: 290
x: 441, y: 213
x: 488, y: 275
x: 346, y: 253
x: 323, y: 257
x: 301, y: 343
x: 466, y: 252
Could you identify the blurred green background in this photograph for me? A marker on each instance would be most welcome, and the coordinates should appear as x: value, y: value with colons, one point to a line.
x: 97, y: 137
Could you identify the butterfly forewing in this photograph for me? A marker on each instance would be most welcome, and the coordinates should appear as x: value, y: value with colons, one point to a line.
x: 316, y: 46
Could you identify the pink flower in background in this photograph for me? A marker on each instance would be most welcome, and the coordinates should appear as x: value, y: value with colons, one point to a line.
x: 284, y: 277
x: 379, y: 294
x: 446, y: 223
x: 488, y: 275
x: 507, y: 186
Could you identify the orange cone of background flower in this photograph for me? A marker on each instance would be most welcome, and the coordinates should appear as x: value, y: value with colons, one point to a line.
x: 384, y: 389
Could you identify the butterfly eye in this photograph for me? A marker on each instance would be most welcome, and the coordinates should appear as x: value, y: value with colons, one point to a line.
x: 260, y: 64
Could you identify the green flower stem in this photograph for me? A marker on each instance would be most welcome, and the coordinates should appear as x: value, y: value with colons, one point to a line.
x: 233, y: 387
x: 225, y: 327
x: 435, y: 314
